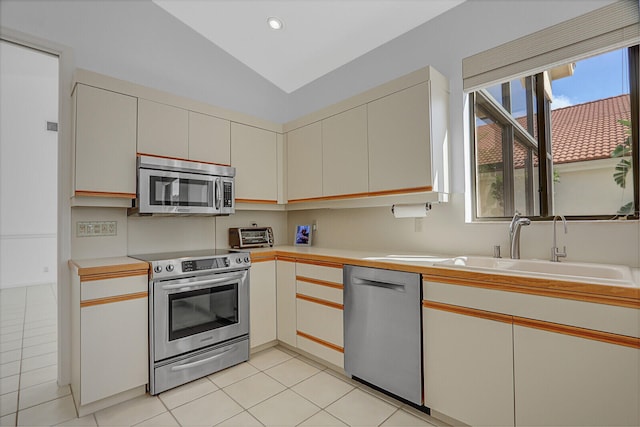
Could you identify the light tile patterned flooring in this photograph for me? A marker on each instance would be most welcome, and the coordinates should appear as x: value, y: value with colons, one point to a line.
x: 275, y: 388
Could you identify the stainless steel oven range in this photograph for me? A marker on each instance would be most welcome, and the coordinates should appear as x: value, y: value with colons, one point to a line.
x: 198, y: 315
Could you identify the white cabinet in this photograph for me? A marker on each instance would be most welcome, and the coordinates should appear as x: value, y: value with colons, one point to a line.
x: 113, y: 354
x: 390, y: 140
x: 254, y: 155
x: 262, y: 303
x: 163, y: 130
x: 319, y: 311
x: 209, y: 139
x: 345, y: 169
x: 468, y: 367
x: 304, y: 162
x: 109, y: 333
x: 286, y: 301
x: 105, y: 143
x: 399, y: 140
x: 563, y: 380
x: 501, y: 358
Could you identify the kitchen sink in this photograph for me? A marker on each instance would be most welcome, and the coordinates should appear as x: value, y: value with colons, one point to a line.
x: 570, y: 269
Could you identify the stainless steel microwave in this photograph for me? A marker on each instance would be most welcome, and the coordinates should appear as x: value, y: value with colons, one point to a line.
x: 181, y: 187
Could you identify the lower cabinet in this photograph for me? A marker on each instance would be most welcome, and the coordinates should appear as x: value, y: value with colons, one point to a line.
x: 563, y: 380
x: 262, y: 303
x: 512, y: 367
x: 286, y: 301
x: 109, y: 337
x: 319, y: 311
x: 114, y: 345
x: 468, y: 367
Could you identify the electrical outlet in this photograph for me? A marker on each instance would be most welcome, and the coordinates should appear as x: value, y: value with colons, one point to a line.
x: 314, y: 225
x: 96, y: 228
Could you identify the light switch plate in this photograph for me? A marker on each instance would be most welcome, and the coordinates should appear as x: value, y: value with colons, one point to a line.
x: 96, y: 228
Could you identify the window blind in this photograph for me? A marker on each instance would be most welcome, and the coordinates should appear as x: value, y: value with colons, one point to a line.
x: 613, y: 26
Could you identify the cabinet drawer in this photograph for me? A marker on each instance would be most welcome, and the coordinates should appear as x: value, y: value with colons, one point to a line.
x: 322, y: 291
x: 326, y: 353
x: 320, y: 321
x: 117, y: 286
x: 319, y: 272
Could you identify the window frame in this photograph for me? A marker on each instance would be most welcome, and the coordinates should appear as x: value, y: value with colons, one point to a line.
x: 545, y: 171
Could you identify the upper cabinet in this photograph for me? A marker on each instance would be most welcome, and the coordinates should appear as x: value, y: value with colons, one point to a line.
x: 389, y: 140
x: 209, y: 139
x: 163, y: 130
x: 304, y: 162
x: 344, y: 153
x: 254, y: 154
x: 399, y: 140
x: 105, y: 143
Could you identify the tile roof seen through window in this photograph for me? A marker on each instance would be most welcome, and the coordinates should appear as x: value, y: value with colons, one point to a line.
x: 579, y: 133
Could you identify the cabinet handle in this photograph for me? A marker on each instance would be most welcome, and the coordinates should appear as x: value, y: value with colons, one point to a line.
x: 375, y: 283
x: 203, y: 283
x: 201, y: 362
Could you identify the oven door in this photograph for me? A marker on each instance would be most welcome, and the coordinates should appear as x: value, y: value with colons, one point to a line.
x: 171, y: 192
x: 196, y: 312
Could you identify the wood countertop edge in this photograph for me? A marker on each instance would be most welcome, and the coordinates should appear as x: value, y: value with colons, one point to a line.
x: 557, y: 288
x: 134, y: 266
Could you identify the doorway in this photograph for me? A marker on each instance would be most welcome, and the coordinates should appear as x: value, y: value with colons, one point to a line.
x: 29, y: 84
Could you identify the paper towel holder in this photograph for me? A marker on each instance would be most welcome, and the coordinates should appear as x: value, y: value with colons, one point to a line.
x: 427, y: 207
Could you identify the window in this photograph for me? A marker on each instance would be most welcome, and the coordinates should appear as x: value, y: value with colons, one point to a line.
x: 559, y: 141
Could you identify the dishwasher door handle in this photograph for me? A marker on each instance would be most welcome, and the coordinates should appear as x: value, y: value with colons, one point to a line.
x: 377, y: 284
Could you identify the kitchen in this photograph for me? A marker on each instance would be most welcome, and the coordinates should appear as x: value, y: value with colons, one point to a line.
x: 360, y: 228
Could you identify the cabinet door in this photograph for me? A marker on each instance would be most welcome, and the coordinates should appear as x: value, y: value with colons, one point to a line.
x: 105, y: 138
x: 345, y: 168
x: 399, y: 140
x: 262, y: 303
x: 564, y: 380
x: 286, y: 301
x: 209, y: 139
x: 163, y: 130
x: 114, y: 348
x: 304, y: 162
x: 468, y: 367
x: 254, y: 155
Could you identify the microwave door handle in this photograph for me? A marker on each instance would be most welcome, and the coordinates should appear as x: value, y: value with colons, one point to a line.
x: 201, y: 283
x: 218, y: 192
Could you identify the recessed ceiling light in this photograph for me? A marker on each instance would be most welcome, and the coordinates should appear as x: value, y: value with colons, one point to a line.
x: 275, y: 23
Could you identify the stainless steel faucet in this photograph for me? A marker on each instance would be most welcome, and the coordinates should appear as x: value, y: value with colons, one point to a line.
x: 555, y: 254
x: 514, y: 233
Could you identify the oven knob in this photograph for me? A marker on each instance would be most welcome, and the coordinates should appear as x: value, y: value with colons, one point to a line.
x: 157, y: 269
x: 170, y: 268
x: 239, y: 260
x: 246, y: 259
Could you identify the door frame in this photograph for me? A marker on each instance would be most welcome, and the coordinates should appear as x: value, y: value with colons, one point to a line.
x: 66, y: 66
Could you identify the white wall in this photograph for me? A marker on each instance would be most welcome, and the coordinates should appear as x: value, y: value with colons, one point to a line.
x: 446, y: 233
x: 137, y: 41
x: 28, y: 166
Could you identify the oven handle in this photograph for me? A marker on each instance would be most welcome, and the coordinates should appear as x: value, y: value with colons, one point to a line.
x: 202, y: 283
x: 201, y: 362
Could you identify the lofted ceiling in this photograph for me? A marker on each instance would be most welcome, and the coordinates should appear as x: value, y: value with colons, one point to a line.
x: 318, y: 35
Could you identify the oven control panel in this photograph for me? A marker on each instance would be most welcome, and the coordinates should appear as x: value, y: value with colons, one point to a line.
x: 179, y: 267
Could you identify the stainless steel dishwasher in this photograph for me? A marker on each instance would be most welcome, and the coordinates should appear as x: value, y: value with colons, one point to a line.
x: 383, y: 329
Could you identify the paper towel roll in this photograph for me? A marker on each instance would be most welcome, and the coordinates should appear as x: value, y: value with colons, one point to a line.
x: 417, y: 210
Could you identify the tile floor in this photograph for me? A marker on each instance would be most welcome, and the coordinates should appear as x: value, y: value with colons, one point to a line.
x: 275, y: 388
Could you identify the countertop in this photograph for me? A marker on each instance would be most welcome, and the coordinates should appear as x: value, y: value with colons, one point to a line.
x: 96, y: 266
x: 578, y: 288
x: 623, y: 293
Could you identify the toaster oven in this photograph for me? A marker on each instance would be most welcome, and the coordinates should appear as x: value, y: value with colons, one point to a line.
x: 250, y: 237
